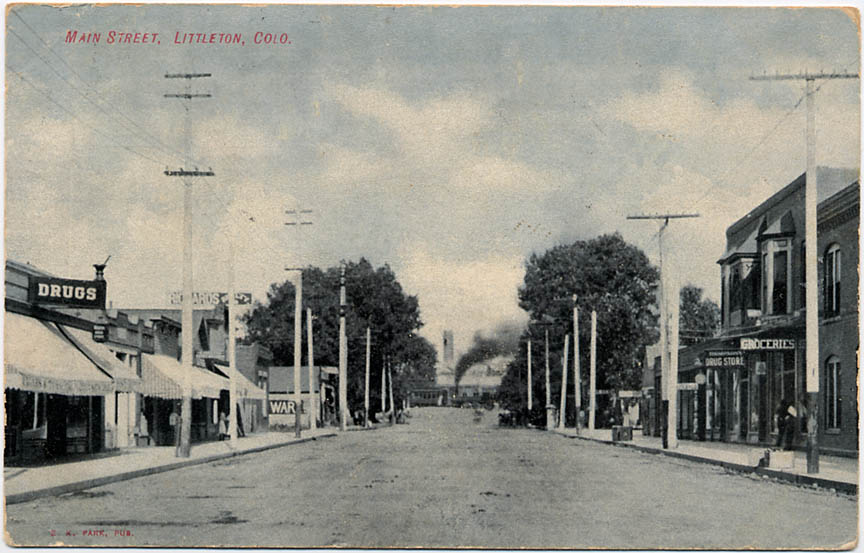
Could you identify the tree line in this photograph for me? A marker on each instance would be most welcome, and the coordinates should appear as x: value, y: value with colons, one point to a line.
x: 375, y: 299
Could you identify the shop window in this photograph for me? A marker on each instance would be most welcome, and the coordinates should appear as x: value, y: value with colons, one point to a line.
x: 832, y: 392
x: 832, y: 281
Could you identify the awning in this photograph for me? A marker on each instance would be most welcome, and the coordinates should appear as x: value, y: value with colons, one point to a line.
x: 38, y: 358
x: 124, y: 376
x: 164, y: 377
x: 247, y: 389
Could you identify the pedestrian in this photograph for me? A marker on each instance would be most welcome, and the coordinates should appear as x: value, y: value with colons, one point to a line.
x: 786, y: 415
x: 143, y: 430
x: 223, y: 426
x: 174, y: 422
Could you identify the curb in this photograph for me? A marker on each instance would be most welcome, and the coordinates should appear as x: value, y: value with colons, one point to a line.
x: 23, y: 497
x: 799, y: 479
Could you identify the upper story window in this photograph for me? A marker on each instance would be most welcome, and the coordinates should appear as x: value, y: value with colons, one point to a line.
x: 776, y: 277
x: 740, y: 291
x: 832, y: 280
x: 832, y: 392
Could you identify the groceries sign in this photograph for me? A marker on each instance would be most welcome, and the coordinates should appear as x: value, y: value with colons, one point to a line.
x: 767, y: 343
x: 63, y: 291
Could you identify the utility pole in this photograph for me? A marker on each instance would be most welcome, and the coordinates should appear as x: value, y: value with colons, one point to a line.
x: 577, y: 376
x: 298, y: 330
x: 592, y: 376
x: 668, y: 333
x: 811, y: 254
x: 530, y: 394
x: 232, y: 347
x: 562, y: 422
x: 549, y: 422
x: 187, y: 320
x: 390, y: 388
x: 313, y: 408
x: 298, y: 350
x: 366, y: 388
x: 383, y: 385
x: 343, y: 355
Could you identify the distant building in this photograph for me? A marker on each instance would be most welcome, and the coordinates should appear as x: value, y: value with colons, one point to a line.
x: 445, y: 371
x: 481, y: 381
x: 730, y: 388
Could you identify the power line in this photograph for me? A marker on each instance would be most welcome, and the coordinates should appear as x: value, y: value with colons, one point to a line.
x: 95, y: 129
x: 141, y: 129
x: 80, y: 92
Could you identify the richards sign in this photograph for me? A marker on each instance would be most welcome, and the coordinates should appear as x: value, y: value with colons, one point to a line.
x: 63, y: 291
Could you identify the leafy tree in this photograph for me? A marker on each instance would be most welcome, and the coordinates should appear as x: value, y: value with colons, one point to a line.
x: 607, y: 275
x: 375, y: 299
x: 699, y: 318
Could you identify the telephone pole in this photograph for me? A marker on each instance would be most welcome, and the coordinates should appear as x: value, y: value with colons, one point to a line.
x: 298, y: 328
x: 811, y: 300
x: 366, y: 387
x: 592, y: 376
x: 187, y: 319
x: 549, y: 422
x: 313, y: 408
x: 562, y: 422
x: 668, y: 333
x: 530, y: 392
x: 577, y: 376
x: 343, y: 354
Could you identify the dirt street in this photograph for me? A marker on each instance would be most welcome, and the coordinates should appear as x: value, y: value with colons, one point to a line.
x: 444, y: 481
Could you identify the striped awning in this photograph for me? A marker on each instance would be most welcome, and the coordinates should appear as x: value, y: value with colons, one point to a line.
x: 164, y: 377
x: 123, y: 376
x: 38, y: 357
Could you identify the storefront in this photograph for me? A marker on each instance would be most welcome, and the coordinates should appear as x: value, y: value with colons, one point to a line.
x: 731, y: 389
x: 54, y: 395
x: 164, y: 379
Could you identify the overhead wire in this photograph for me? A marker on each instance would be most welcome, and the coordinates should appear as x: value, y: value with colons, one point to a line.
x: 137, y: 132
x: 98, y: 131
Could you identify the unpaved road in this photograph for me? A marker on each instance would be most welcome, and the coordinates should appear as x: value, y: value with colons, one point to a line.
x: 444, y: 481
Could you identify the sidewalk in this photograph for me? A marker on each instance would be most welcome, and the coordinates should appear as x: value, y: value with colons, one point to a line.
x: 840, y: 473
x: 25, y: 483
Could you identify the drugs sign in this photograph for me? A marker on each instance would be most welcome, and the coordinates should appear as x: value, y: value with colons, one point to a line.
x: 63, y: 291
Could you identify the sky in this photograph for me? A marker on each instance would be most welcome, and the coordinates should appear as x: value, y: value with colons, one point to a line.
x: 447, y: 142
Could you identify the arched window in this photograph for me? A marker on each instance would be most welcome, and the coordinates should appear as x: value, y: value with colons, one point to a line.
x: 832, y: 280
x: 832, y: 392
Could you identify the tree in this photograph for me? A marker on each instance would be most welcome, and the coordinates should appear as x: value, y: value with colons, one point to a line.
x: 608, y: 275
x: 699, y: 318
x: 375, y: 299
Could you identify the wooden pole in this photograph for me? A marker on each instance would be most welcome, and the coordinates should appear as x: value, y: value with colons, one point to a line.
x: 313, y: 384
x: 592, y: 382
x: 343, y: 356
x: 811, y: 299
x: 562, y: 416
x: 366, y: 386
x: 390, y: 387
x: 577, y: 376
x: 530, y: 394
x: 298, y: 352
x: 549, y: 422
